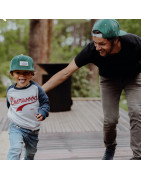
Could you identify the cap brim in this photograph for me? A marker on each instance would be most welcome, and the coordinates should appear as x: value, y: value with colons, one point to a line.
x: 122, y: 33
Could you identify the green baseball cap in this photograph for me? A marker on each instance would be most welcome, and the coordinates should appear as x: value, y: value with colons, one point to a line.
x: 109, y: 28
x: 22, y: 62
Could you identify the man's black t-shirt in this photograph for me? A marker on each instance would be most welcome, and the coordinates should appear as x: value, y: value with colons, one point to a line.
x: 125, y: 63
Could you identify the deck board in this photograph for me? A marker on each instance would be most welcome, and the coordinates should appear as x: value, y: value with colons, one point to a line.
x: 88, y: 145
x: 75, y: 134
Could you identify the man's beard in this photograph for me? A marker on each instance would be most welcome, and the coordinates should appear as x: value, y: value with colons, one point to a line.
x: 106, y: 53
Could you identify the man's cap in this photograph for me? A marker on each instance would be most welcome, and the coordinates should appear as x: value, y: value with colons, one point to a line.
x: 109, y: 28
x: 22, y: 62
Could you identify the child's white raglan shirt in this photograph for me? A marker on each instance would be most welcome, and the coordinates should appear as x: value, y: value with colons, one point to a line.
x: 24, y: 103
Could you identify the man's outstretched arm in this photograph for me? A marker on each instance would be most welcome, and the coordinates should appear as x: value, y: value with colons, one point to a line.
x: 60, y: 77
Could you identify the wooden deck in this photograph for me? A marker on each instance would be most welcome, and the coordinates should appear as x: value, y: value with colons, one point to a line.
x: 76, y: 134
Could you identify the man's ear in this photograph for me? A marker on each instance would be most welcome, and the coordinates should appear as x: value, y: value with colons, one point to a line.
x: 116, y: 41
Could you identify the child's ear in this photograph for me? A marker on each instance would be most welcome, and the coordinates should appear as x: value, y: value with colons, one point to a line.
x: 32, y: 73
x: 11, y: 73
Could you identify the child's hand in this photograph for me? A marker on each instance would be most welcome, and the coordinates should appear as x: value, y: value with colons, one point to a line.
x: 39, y: 117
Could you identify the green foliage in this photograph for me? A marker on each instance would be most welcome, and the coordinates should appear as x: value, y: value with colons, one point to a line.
x: 13, y: 41
x: 66, y: 43
x: 81, y: 86
x: 2, y: 90
x: 123, y: 101
x: 130, y: 25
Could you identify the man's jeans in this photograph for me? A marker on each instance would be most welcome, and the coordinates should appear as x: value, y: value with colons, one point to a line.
x: 111, y: 89
x: 18, y: 136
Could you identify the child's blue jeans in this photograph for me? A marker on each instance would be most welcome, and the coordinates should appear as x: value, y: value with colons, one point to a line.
x: 18, y: 136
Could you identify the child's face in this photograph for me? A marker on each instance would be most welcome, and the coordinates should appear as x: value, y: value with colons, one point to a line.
x: 22, y: 77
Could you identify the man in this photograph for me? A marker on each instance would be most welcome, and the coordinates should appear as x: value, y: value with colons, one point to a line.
x: 118, y: 57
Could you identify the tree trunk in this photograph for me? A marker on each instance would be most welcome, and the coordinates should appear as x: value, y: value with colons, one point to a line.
x: 74, y: 36
x: 40, y: 44
x: 82, y: 31
x: 91, y: 24
x: 94, y: 76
